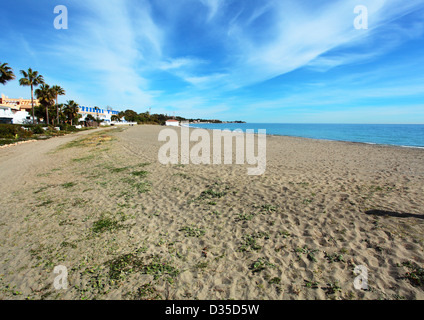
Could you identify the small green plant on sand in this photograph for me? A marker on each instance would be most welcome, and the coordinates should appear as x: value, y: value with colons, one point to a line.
x: 333, y: 288
x: 45, y: 203
x: 123, y: 265
x: 201, y: 265
x: 310, y: 254
x: 141, y: 173
x: 106, y: 224
x: 214, y: 191
x: 285, y: 234
x: 147, y: 292
x: 193, y: 231
x: 311, y: 284
x: 260, y: 265
x: 126, y: 264
x: 143, y: 187
x: 250, y: 241
x: 274, y: 281
x: 244, y: 217
x: 334, y: 257
x: 144, y: 164
x: 68, y: 185
x: 415, y: 275
x: 267, y: 209
x: 157, y: 267
x: 211, y: 194
x: 119, y: 170
x: 182, y: 175
x: 249, y: 244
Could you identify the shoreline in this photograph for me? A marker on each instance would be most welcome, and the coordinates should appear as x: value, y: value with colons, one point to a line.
x: 322, y: 139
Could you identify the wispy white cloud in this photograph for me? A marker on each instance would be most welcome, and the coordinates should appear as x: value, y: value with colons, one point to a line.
x: 302, y: 35
x: 205, y: 81
x: 213, y: 7
x: 109, y: 47
x: 180, y: 63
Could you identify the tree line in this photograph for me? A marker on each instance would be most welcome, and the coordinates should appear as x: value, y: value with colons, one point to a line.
x: 55, y: 113
x: 49, y: 108
x: 147, y: 118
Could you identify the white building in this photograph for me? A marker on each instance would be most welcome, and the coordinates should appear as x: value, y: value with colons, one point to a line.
x: 172, y: 123
x: 14, y: 115
x: 16, y: 111
x: 102, y: 114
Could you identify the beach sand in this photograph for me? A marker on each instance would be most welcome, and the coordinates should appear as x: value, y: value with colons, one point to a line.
x: 128, y: 227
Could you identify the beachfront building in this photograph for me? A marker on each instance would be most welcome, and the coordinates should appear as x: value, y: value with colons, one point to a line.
x: 97, y: 113
x: 22, y: 104
x: 172, y: 123
x: 16, y: 111
x: 14, y: 115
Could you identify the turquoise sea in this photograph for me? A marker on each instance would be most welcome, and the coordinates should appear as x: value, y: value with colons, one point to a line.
x: 407, y: 135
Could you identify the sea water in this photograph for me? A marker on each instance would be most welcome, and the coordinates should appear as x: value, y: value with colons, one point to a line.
x: 407, y: 135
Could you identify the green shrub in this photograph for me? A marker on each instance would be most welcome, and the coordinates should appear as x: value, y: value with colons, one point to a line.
x: 6, y: 141
x: 7, y: 131
x: 67, y: 127
x: 13, y: 131
x: 38, y: 129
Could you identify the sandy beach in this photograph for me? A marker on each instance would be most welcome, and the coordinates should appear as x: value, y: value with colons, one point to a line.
x: 127, y: 227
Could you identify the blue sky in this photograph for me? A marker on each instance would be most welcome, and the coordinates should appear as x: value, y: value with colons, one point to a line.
x: 298, y: 61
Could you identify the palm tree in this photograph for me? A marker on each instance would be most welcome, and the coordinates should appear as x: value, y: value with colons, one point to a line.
x: 6, y: 73
x: 97, y: 109
x: 46, y: 96
x: 71, y: 110
x: 59, y: 91
x: 89, y: 119
x: 33, y: 79
x: 62, y: 115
